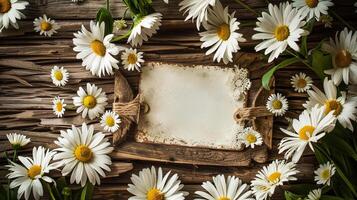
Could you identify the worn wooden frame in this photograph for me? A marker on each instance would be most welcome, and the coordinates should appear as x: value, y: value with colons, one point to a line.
x: 129, y: 148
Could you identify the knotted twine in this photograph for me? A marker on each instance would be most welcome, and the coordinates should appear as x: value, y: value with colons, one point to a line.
x: 129, y: 110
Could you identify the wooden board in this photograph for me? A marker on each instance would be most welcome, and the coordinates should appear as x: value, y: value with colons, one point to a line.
x: 263, y: 120
x: 26, y: 90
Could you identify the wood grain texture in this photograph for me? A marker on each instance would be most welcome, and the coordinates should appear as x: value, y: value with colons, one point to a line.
x: 26, y: 89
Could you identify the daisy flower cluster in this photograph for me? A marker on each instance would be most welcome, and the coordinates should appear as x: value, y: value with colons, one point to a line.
x: 82, y: 154
x: 272, y: 176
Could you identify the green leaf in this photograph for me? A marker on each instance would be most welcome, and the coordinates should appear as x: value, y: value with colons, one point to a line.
x: 104, y: 15
x: 133, y: 6
x: 267, y: 76
x: 308, y: 27
x: 321, y: 157
x: 340, y: 145
x: 61, y: 183
x: 76, y: 194
x: 3, y: 193
x: 291, y: 196
x: 302, y: 189
x: 87, y: 191
x: 341, y: 189
x: 345, y: 179
x: 320, y: 62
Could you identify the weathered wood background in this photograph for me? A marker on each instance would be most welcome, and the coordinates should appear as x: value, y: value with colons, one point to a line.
x: 26, y: 90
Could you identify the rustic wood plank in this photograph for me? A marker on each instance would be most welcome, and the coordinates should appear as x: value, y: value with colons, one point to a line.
x: 26, y: 89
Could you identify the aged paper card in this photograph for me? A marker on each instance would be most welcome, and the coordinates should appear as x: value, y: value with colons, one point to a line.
x: 191, y: 105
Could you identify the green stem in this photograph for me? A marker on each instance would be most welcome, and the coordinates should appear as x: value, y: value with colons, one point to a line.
x: 14, y: 156
x: 126, y: 10
x: 300, y: 59
x: 248, y: 24
x: 246, y: 7
x: 49, y: 190
x: 116, y: 39
x: 342, y: 20
x: 8, y: 190
x: 57, y: 192
x: 108, y: 5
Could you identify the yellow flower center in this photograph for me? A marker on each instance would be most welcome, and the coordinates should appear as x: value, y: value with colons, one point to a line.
x: 5, y: 6
x: 251, y: 138
x: 277, y: 104
x: 333, y: 105
x: 132, y: 58
x: 325, y: 174
x: 45, y: 26
x: 34, y: 171
x: 306, y: 132
x: 58, y: 75
x: 281, y: 32
x: 83, y: 153
x: 312, y: 3
x: 223, y: 31
x: 343, y: 59
x: 301, y: 83
x: 110, y: 121
x: 59, y: 107
x: 155, y: 194
x: 89, y: 101
x: 274, y: 177
x: 98, y: 47
x: 223, y: 198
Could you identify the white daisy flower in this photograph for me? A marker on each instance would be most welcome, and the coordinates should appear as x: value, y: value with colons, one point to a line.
x: 110, y: 121
x: 231, y: 188
x: 46, y: 26
x: 344, y: 57
x: 324, y: 173
x: 312, y: 8
x: 277, y: 104
x: 58, y: 106
x: 310, y: 127
x: 59, y: 76
x: 344, y: 108
x: 131, y: 59
x: 91, y: 102
x: 29, y: 175
x: 249, y: 137
x: 10, y: 13
x: 314, y: 194
x: 17, y: 140
x: 220, y: 34
x: 151, y: 186
x: 96, y: 50
x: 301, y: 82
x: 84, y: 153
x: 197, y: 10
x: 271, y: 176
x: 144, y: 28
x: 280, y: 28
